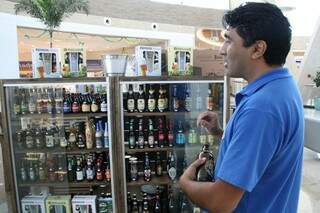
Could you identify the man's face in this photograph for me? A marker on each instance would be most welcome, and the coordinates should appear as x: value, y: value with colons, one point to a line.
x: 236, y: 56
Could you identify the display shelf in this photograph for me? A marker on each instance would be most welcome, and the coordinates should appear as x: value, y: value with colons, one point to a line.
x: 64, y: 115
x: 60, y: 150
x: 163, y: 180
x: 162, y: 113
x: 65, y: 184
x: 155, y: 149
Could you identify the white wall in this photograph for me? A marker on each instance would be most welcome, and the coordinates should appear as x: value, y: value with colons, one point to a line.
x: 9, y: 46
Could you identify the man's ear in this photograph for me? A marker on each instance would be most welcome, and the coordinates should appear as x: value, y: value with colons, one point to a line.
x: 258, y: 49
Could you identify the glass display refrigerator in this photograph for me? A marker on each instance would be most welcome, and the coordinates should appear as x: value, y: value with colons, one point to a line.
x: 59, y: 145
x: 160, y: 137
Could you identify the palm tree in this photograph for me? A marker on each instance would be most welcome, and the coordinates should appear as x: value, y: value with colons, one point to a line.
x: 51, y: 12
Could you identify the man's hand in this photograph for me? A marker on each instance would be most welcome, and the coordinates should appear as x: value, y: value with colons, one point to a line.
x: 210, y: 121
x: 190, y: 172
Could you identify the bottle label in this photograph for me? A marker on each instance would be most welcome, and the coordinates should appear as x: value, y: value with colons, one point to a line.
x: 106, y: 141
x: 85, y: 108
x: 94, y: 108
x: 141, y: 105
x: 159, y: 170
x: 130, y: 105
x: 151, y: 105
x: 75, y: 107
x: 175, y: 104
x: 66, y: 107
x: 17, y: 109
x: 99, y: 175
x: 147, y: 174
x: 180, y: 138
x: 29, y: 142
x: 32, y: 175
x: 151, y: 140
x: 49, y: 107
x: 161, y: 136
x: 108, y: 174
x: 172, y: 173
x: 203, y: 139
x: 188, y: 104
x: 98, y: 143
x: 79, y: 175
x: 132, y: 141
x: 89, y: 174
x: 141, y: 141
x: 32, y: 107
x: 161, y: 104
x: 63, y: 142
x: 104, y: 107
x: 192, y: 138
x: 49, y: 141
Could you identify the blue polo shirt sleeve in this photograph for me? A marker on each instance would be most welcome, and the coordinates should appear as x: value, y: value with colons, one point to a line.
x: 257, y: 136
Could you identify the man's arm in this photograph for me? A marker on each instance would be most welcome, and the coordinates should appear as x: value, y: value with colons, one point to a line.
x: 217, y: 197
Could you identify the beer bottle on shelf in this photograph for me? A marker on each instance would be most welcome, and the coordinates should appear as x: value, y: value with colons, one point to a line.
x: 134, y: 208
x: 140, y: 135
x: 129, y: 201
x: 145, y: 207
x: 104, y: 104
x: 29, y: 138
x: 17, y: 102
x: 61, y: 173
x: 52, y: 175
x: 71, y: 169
x: 58, y: 100
x: 81, y: 137
x: 20, y: 138
x: 79, y: 171
x: 210, y: 101
x: 141, y: 103
x: 157, y: 207
x: 49, y: 138
x: 94, y: 104
x: 89, y: 170
x: 107, y: 170
x: 172, y: 171
x: 31, y: 173
x: 32, y: 101
x: 42, y: 173
x: 130, y: 100
x: 188, y: 100
x: 158, y: 165
x: 85, y: 107
x: 24, y: 103
x: 192, y: 135
x: 165, y: 95
x: 170, y: 134
x: 151, y: 135
x: 72, y: 139
x: 99, y: 172
x: 75, y: 108
x: 180, y: 137
x: 50, y: 102
x: 89, y: 135
x: 206, y: 171
x: 98, y: 136
x: 63, y: 140
x: 151, y: 99
x: 175, y: 100
x: 42, y: 101
x: 66, y: 103
x: 132, y: 138
x: 171, y: 202
x: 161, y: 134
x: 38, y: 136
x: 56, y: 134
x: 147, y: 168
x: 199, y: 101
x: 23, y: 173
x: 161, y: 100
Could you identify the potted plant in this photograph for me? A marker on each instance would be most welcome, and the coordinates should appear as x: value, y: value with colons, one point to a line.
x: 316, y: 80
x: 51, y: 12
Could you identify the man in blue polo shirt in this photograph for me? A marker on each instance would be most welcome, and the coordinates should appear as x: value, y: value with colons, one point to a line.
x: 259, y: 163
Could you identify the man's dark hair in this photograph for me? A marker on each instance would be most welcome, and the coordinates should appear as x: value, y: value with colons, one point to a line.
x: 262, y: 21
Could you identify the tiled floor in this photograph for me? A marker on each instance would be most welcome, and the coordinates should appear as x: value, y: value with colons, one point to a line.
x: 309, y: 195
